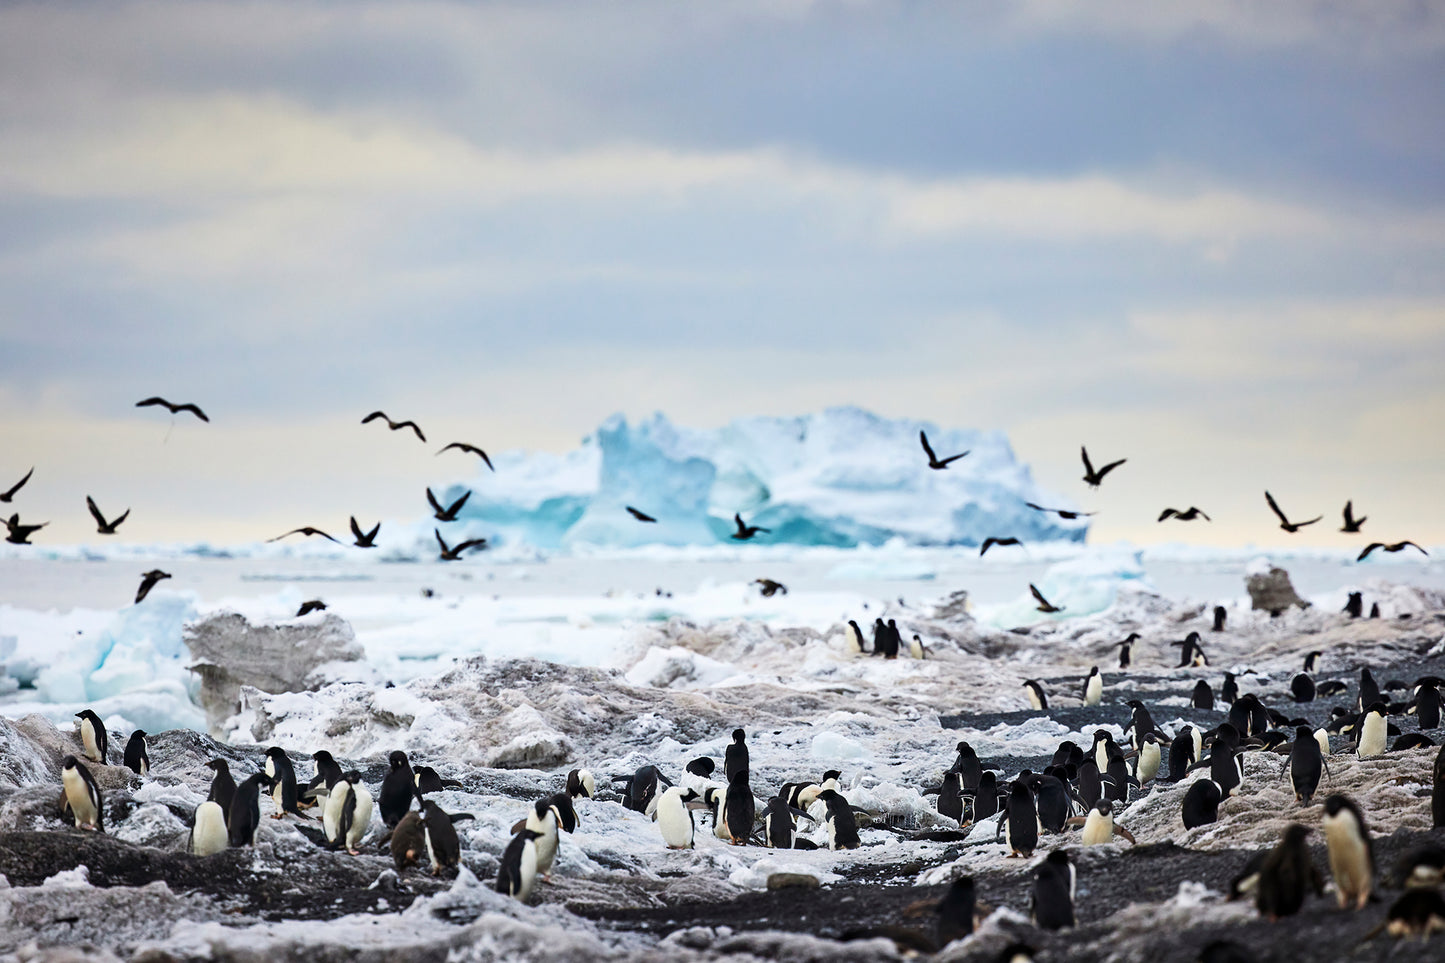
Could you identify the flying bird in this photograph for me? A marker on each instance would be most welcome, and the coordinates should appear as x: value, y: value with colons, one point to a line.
x: 364, y: 539
x: 1091, y: 477
x: 448, y: 514
x: 1044, y: 604
x: 304, y: 530
x: 104, y: 527
x: 147, y: 582
x: 173, y: 409
x: 6, y: 496
x: 933, y: 460
x: 1188, y: 515
x: 455, y: 552
x: 1352, y: 524
x: 18, y: 534
x: 313, y: 605
x: 991, y: 541
x: 640, y: 516
x: 745, y: 531
x: 1062, y: 513
x: 1395, y: 547
x: 1284, y: 522
x: 770, y: 588
x: 394, y: 425
x: 469, y: 449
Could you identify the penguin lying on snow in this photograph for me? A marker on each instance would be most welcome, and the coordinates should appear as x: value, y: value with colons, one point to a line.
x: 639, y: 790
x: 82, y: 795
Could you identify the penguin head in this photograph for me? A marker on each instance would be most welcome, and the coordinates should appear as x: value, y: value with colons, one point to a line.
x: 963, y: 747
x: 828, y: 795
x: 1104, y: 807
x: 1193, y: 638
x: 70, y: 762
x: 397, y: 759
x: 739, y: 735
x: 220, y: 765
x: 353, y: 777
x: 138, y: 734
x: 542, y: 807
x: 832, y: 774
x: 321, y: 755
x: 1059, y: 859
x: 1150, y: 738
x: 1304, y: 732
x: 740, y: 778
x: 1101, y: 735
x: 702, y: 766
x: 1337, y: 803
x: 1378, y: 708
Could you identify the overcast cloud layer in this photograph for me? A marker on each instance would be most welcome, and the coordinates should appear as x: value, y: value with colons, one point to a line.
x: 1206, y: 237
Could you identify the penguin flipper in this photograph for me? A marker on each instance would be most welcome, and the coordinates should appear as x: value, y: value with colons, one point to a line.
x: 460, y: 817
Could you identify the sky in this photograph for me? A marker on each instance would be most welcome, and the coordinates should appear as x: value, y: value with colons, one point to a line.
x: 1209, y: 238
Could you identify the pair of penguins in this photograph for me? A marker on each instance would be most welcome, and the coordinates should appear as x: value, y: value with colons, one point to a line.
x: 1191, y: 647
x: 1280, y: 878
x: 80, y: 797
x: 887, y: 640
x: 534, y: 843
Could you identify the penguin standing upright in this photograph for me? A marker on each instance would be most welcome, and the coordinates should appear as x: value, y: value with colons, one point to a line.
x: 245, y: 812
x: 674, y: 819
x: 443, y: 846
x: 1191, y: 652
x: 735, y: 757
x: 880, y: 637
x: 542, y: 820
x: 1302, y: 688
x: 1312, y: 661
x: 1285, y: 874
x: 135, y: 753
x: 1021, y: 821
x: 347, y: 815
x: 739, y: 809
x: 1354, y: 605
x: 1427, y: 706
x: 1220, y: 612
x: 842, y: 827
x: 1037, y: 698
x: 1149, y: 757
x: 1226, y: 760
x: 950, y: 796
x: 223, y: 787
x: 969, y: 769
x: 328, y: 773
x: 408, y: 841
x: 1052, y: 906
x: 1126, y: 650
x: 518, y: 869
x: 1374, y: 731
x: 283, y: 782
x: 1089, y: 782
x: 1229, y: 691
x: 985, y: 796
x: 1203, y: 697
x: 1352, y: 857
x: 208, y: 830
x: 1305, y: 765
x: 853, y: 638
x: 778, y: 825
x: 82, y: 795
x: 1369, y: 691
x: 955, y: 912
x: 916, y: 649
x: 1099, y: 825
x: 93, y: 737
x: 1051, y: 796
x: 895, y: 640
x: 398, y: 789
x: 1093, y: 688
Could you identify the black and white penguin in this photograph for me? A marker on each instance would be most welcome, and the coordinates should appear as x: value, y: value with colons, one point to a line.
x: 1093, y: 687
x: 94, y: 737
x: 1226, y: 760
x: 1126, y: 649
x: 1246, y: 881
x: 209, y: 834
x: 1147, y: 766
x: 1426, y: 706
x: 853, y: 638
x: 328, y: 773
x: 967, y: 766
x: 1220, y: 612
x: 779, y: 825
x: 1352, y: 856
x: 1088, y: 781
x: 895, y: 640
x: 1052, y: 906
x: 398, y: 789
x: 580, y: 783
x: 1181, y: 753
x: 640, y: 789
x: 1191, y: 653
x: 1423, y: 867
x: 442, y: 843
x: 1037, y: 698
x: 1369, y: 691
x: 283, y: 783
x: 735, y: 757
x: 986, y: 796
x: 842, y: 827
x: 1068, y: 754
x: 1201, y: 803
x: 1418, y: 913
x: 1100, y: 828
x: 1312, y: 661
x: 1285, y: 875
x: 1306, y: 763
x: 916, y: 648
x: 346, y: 817
x: 518, y: 870
x: 1374, y: 610
x: 82, y: 795
x: 223, y: 787
x: 674, y: 818
x: 1302, y: 688
x: 1103, y: 743
x: 245, y: 812
x: 428, y: 780
x: 1374, y: 731
x: 1203, y: 697
x: 1412, y: 740
x: 1333, y: 687
x: 1140, y: 723
x: 542, y: 820
x: 950, y: 796
x: 136, y: 757
x: 1118, y: 779
x: 739, y: 808
x: 1020, y: 823
x: 566, y: 812
x: 1051, y: 797
x: 880, y: 637
x: 955, y: 912
x: 1229, y: 691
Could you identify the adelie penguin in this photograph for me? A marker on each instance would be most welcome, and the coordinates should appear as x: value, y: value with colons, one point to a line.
x: 1093, y: 688
x: 986, y: 796
x: 283, y: 783
x: 542, y: 820
x: 735, y: 757
x: 779, y: 827
x: 82, y: 795
x: 1147, y: 766
x: 1182, y: 753
x: 950, y: 796
x: 518, y: 869
x: 1220, y: 612
x: 674, y: 818
x: 1203, y: 697
x: 93, y: 737
x: 398, y: 789
x: 1426, y: 706
x: 1369, y: 691
x: 1126, y: 649
x: 223, y: 787
x: 1099, y: 825
x: 1051, y: 797
x: 347, y: 815
x: 739, y: 809
x: 1037, y: 698
x: 641, y: 788
x: 853, y: 639
x: 209, y: 834
x: 1191, y: 653
x: 245, y: 814
x: 1352, y: 856
x: 968, y: 767
x: 1201, y: 804
x: 1306, y: 763
x: 1230, y: 690
x: 1020, y: 823
x: 1285, y: 876
x: 842, y: 827
x: 431, y: 831
x: 955, y: 912
x: 1312, y: 661
x: 1374, y: 731
x: 580, y: 784
x: 1052, y: 907
x: 136, y: 758
x: 1302, y: 688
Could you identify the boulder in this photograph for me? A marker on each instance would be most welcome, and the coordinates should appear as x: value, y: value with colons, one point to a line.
x: 1272, y: 591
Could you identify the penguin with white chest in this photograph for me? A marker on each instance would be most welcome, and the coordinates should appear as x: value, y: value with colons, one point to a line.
x: 136, y: 758
x: 283, y: 782
x: 244, y: 817
x: 1020, y: 823
x: 443, y: 846
x: 209, y: 834
x: 347, y: 816
x: 778, y: 825
x: 82, y: 795
x: 93, y: 736
x: 1093, y: 688
x: 1037, y: 699
x: 853, y: 638
x: 1053, y: 897
x: 1374, y: 731
x: 518, y: 869
x: 1099, y: 825
x: 223, y: 787
x: 542, y: 821
x: 581, y: 784
x: 842, y: 827
x: 1352, y: 857
x: 674, y: 818
x: 1306, y: 764
x: 1149, y: 758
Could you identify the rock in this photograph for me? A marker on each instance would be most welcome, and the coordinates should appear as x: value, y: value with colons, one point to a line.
x: 230, y: 653
x: 792, y: 881
x: 954, y: 608
x: 1273, y: 592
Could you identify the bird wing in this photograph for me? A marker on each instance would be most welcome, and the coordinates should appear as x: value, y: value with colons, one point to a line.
x: 1110, y: 467
x: 469, y: 543
x: 739, y: 519
x: 1274, y: 506
x: 987, y: 544
x: 432, y: 500
x: 94, y: 512
x: 193, y: 409
x: 154, y: 401
x: 443, y: 544
x: 924, y: 438
x: 1038, y: 508
x: 355, y: 529
x: 409, y: 424
x: 1166, y: 513
x: 1310, y: 522
x: 1402, y: 545
x: 1368, y: 549
x: 1203, y: 516
x: 1349, y: 514
x: 371, y: 535
x: 18, y: 485
x: 953, y: 458
x: 486, y: 459
x: 316, y: 531
x: 1088, y: 465
x: 456, y: 506
x: 375, y: 415
x: 1037, y: 594
x: 115, y: 523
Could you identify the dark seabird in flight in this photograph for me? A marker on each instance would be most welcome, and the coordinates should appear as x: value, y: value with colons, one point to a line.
x: 934, y: 461
x: 746, y: 531
x: 991, y: 541
x: 304, y: 530
x: 313, y: 605
x: 394, y: 425
x: 454, y: 553
x: 18, y: 534
x: 1092, y: 477
x: 1188, y: 515
x: 7, y: 496
x: 1284, y: 522
x: 1060, y: 512
x: 104, y: 527
x: 640, y: 516
x: 1044, y: 604
x: 1394, y: 547
x: 469, y: 449
x: 1352, y: 524
x: 770, y: 588
x: 448, y: 514
x: 364, y: 539
x: 173, y: 409
x: 147, y: 582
